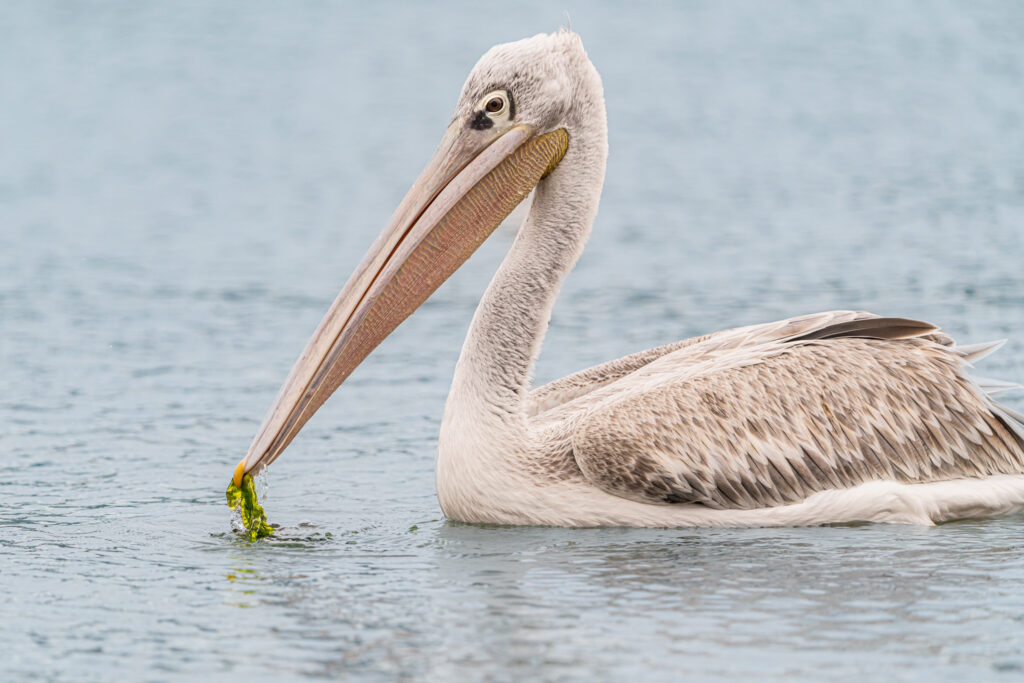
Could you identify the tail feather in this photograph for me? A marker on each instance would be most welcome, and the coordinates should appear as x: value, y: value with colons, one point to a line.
x: 975, y: 352
x: 972, y: 353
x: 993, y: 386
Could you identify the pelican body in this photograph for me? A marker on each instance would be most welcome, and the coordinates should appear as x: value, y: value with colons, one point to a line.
x: 841, y: 416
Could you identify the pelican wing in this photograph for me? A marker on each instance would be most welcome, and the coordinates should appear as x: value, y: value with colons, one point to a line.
x: 573, y: 386
x: 769, y: 421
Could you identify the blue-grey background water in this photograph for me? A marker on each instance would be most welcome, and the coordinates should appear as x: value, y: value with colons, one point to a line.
x: 185, y: 186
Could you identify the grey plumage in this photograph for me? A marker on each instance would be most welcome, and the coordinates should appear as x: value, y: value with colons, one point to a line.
x: 771, y: 414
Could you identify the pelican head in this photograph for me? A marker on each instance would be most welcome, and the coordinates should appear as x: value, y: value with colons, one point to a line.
x: 522, y: 109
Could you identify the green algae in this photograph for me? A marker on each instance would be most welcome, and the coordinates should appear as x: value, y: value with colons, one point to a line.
x: 245, y: 501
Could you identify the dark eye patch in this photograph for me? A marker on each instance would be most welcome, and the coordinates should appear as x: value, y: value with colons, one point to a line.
x: 481, y: 121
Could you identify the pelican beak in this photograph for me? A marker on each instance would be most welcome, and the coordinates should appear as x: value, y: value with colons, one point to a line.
x: 463, y: 194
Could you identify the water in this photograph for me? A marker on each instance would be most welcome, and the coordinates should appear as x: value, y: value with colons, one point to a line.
x: 185, y: 186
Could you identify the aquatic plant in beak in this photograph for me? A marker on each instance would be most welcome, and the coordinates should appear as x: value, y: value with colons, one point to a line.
x: 244, y: 500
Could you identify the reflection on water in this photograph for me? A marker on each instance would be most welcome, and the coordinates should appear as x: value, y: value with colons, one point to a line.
x: 767, y: 604
x: 185, y: 186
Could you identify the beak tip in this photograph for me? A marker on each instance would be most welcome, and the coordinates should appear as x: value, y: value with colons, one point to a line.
x: 239, y: 472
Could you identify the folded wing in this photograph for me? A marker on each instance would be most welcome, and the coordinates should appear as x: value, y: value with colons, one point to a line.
x: 770, y: 414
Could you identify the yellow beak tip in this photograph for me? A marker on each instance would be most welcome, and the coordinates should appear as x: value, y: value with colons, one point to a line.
x: 239, y: 473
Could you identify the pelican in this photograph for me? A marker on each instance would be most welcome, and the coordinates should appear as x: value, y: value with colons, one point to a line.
x: 834, y: 417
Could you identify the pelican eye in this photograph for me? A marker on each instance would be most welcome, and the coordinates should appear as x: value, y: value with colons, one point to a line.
x: 494, y: 105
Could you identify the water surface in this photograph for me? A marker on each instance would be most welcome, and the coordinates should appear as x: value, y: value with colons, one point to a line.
x: 185, y: 186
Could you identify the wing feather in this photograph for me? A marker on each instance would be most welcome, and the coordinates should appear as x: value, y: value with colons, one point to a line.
x: 770, y: 414
x: 573, y: 386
